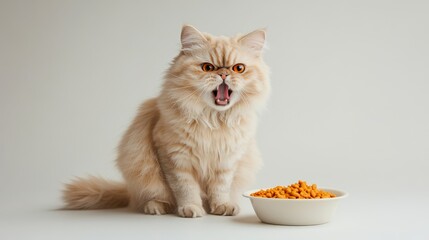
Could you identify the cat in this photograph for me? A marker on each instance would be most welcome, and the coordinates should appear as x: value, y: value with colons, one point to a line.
x: 192, y: 149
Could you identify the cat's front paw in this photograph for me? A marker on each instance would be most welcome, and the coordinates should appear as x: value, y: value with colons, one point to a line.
x: 190, y: 211
x: 154, y: 207
x: 225, y: 209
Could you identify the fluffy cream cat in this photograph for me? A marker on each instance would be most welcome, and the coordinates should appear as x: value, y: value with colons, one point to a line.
x: 192, y: 149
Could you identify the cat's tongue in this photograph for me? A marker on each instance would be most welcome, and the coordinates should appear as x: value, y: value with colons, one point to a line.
x: 222, y: 95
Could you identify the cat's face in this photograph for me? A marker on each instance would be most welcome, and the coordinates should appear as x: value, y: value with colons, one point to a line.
x: 219, y: 72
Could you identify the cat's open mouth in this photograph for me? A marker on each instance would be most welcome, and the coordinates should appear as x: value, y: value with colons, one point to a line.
x: 222, y: 94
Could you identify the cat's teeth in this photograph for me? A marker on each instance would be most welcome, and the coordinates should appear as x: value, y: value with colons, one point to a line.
x: 222, y: 102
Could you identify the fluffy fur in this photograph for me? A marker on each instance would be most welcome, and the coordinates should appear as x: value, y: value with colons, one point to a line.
x: 183, y: 153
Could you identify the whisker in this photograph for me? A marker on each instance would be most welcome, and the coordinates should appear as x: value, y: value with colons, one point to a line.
x: 244, y: 96
x: 188, y: 96
x: 251, y: 92
x: 181, y: 87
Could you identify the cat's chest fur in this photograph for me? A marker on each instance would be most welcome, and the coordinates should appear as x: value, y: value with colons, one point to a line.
x: 200, y: 145
x: 222, y: 142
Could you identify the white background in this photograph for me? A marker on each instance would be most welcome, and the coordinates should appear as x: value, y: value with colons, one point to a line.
x: 349, y: 109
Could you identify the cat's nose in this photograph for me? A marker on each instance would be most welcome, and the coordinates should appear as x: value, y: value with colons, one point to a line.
x: 223, y: 76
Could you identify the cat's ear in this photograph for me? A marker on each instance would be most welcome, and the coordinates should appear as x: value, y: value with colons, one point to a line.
x: 192, y: 39
x: 254, y: 41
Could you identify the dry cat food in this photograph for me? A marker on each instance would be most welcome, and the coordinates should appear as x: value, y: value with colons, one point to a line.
x: 299, y: 190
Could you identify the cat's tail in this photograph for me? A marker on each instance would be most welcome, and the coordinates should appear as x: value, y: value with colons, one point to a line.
x: 95, y: 193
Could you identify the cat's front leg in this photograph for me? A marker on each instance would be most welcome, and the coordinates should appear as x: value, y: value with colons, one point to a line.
x: 186, y: 190
x: 219, y: 192
x: 187, y: 193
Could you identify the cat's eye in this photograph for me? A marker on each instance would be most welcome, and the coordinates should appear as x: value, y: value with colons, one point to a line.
x: 207, y: 67
x: 238, y: 68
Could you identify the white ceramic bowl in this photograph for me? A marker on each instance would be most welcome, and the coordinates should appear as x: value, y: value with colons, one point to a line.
x: 295, y: 211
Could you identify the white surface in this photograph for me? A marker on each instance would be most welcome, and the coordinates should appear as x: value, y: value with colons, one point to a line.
x: 369, y: 217
x: 349, y: 109
x: 295, y: 212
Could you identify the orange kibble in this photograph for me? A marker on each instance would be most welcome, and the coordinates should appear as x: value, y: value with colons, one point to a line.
x: 299, y: 190
x: 295, y: 194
